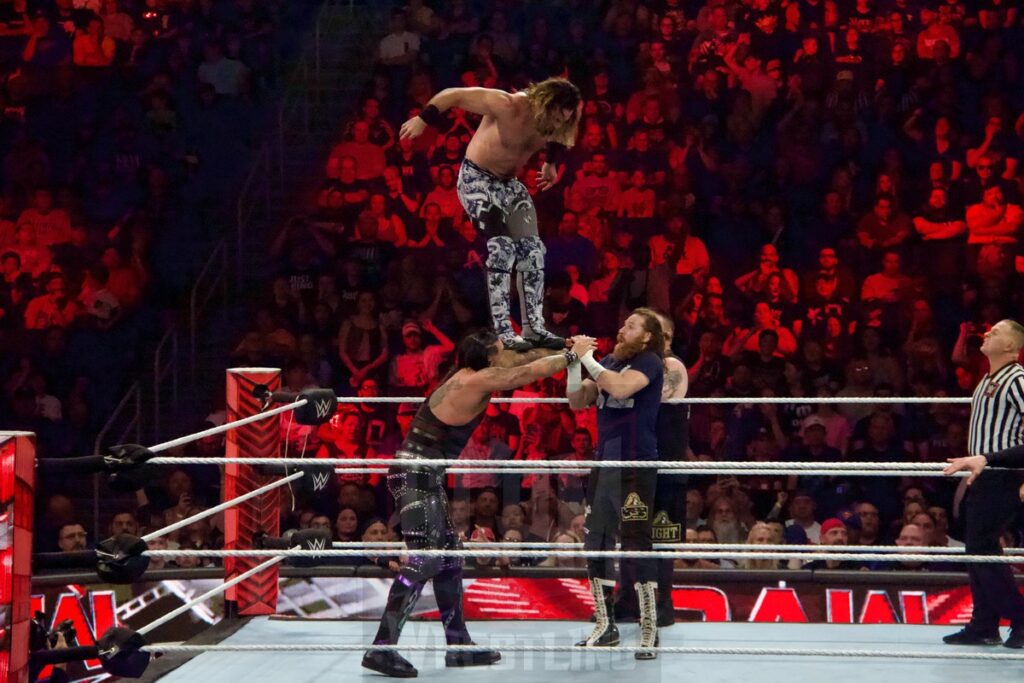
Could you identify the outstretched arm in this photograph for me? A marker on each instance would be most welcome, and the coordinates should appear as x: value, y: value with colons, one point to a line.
x: 502, y: 379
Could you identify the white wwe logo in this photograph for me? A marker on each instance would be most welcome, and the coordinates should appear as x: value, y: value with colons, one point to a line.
x: 317, y: 544
x: 320, y: 480
x: 323, y: 408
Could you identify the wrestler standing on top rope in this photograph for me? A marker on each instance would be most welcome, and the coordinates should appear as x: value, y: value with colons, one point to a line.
x: 513, y: 129
x: 440, y: 430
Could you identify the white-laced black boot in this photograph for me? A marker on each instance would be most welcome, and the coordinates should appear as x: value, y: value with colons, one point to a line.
x: 645, y: 597
x: 605, y: 633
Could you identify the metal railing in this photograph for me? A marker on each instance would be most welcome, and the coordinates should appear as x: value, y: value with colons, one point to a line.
x: 165, y: 371
x: 129, y: 412
x: 211, y: 278
x: 257, y: 183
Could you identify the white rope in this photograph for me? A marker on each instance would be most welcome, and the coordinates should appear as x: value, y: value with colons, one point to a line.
x: 226, y: 427
x: 738, y: 547
x: 579, y: 464
x: 719, y: 400
x: 171, y: 648
x: 706, y: 471
x: 216, y: 590
x: 223, y: 506
x: 919, y: 469
x: 651, y: 554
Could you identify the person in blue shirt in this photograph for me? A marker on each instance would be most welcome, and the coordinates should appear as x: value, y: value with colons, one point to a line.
x: 626, y: 387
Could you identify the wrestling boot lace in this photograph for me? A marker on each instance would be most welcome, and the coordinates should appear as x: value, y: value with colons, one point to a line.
x: 605, y: 633
x: 645, y: 595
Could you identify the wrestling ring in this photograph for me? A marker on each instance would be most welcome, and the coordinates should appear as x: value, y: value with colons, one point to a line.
x: 259, y: 640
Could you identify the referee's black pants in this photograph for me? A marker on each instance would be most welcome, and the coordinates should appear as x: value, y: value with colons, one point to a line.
x: 621, y: 505
x: 992, y: 504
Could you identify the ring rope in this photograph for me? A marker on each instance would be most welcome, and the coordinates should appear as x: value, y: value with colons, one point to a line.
x: 226, y: 427
x: 171, y: 648
x: 654, y: 554
x: 741, y: 547
x: 213, y: 592
x: 921, y: 469
x: 583, y: 472
x: 707, y: 400
x: 221, y: 507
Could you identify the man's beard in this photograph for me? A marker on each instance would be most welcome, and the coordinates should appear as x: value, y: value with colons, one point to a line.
x: 625, y: 350
x: 728, y: 532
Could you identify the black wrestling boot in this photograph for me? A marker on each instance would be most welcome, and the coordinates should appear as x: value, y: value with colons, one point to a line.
x: 401, y: 601
x: 448, y: 593
x: 969, y: 637
x: 545, y: 340
x: 389, y: 663
x: 605, y: 633
x: 1015, y: 640
x: 461, y: 658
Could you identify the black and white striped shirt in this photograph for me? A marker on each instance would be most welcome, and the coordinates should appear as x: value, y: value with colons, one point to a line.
x: 997, y: 411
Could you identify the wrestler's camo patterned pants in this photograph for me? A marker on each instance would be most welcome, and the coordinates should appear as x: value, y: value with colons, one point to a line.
x: 502, y: 209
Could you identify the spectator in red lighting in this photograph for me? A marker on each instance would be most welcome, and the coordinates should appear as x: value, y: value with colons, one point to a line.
x: 369, y: 156
x: 416, y: 369
x: 54, y: 308
x: 341, y: 438
x: 92, y: 47
x: 445, y: 195
x: 362, y: 341
x: 890, y: 286
x: 49, y: 225
x: 755, y: 283
x: 883, y: 228
x: 993, y: 221
x: 750, y: 339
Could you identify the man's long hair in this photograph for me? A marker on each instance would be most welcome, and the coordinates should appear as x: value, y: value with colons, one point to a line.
x: 476, y: 350
x: 548, y: 97
x: 656, y: 344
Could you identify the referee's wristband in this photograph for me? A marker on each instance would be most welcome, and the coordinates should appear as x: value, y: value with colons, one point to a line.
x: 593, y: 367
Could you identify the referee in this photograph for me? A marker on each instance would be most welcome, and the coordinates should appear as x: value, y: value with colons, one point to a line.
x: 997, y: 424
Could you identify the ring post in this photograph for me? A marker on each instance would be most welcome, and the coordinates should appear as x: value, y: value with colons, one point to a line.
x: 257, y: 594
x: 17, y: 481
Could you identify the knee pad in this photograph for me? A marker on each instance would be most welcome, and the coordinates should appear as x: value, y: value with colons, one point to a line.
x: 501, y: 254
x: 530, y: 253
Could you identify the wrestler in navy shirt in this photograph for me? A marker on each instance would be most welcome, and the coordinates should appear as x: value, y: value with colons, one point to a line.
x: 627, y: 428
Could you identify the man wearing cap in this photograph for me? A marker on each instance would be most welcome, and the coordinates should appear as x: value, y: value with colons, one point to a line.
x: 415, y: 369
x: 801, y: 510
x: 833, y: 532
x: 813, y: 449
